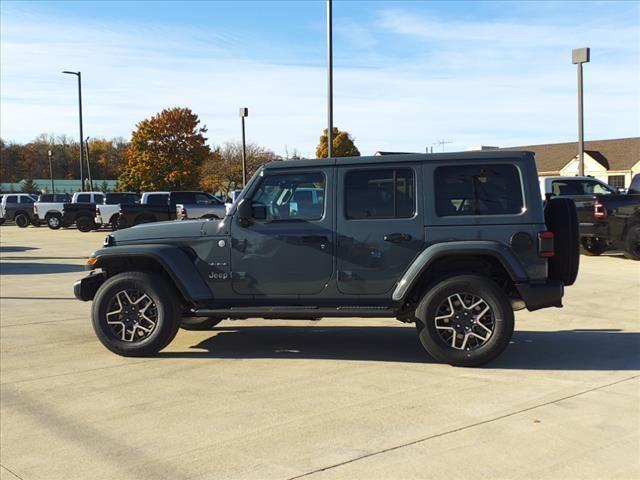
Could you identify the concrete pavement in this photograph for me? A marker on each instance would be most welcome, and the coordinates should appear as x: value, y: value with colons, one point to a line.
x: 337, y: 398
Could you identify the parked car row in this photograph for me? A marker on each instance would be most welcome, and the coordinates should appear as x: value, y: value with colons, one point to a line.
x: 92, y: 210
x: 608, y: 219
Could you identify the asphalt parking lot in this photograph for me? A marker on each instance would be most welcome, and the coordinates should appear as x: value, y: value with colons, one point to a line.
x: 336, y: 398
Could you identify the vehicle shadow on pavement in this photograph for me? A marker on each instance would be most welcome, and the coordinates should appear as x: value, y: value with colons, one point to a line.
x: 29, y: 268
x: 7, y: 249
x: 529, y: 350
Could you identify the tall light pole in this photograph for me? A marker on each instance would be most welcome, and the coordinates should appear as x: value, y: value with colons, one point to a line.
x: 329, y: 79
x: 244, y: 112
x: 78, y: 74
x: 51, y: 172
x: 578, y: 57
x: 88, y: 165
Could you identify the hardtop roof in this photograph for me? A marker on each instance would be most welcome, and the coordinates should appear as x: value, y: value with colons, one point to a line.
x: 404, y: 157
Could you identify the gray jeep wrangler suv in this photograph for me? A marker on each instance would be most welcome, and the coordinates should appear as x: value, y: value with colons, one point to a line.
x: 451, y: 242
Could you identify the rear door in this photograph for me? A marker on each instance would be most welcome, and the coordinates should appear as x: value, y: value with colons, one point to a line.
x: 380, y: 226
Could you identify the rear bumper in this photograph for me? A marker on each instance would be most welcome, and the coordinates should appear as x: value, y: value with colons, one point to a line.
x: 537, y: 296
x: 86, y: 288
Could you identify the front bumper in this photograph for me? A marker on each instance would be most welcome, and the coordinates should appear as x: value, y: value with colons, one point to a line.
x: 537, y: 296
x: 85, y: 289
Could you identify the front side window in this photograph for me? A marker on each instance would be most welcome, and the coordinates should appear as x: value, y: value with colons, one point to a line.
x: 384, y: 193
x: 27, y: 200
x: 98, y: 198
x: 290, y: 197
x: 593, y: 187
x: 478, y: 190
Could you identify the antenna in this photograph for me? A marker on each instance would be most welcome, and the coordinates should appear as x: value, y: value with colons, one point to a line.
x: 442, y: 143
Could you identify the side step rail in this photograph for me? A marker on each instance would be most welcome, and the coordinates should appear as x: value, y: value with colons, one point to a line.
x: 294, y: 312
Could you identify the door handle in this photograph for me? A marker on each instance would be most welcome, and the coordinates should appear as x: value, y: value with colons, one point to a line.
x: 397, y: 237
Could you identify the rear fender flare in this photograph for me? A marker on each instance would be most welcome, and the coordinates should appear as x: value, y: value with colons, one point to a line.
x: 434, y: 252
x: 173, y: 260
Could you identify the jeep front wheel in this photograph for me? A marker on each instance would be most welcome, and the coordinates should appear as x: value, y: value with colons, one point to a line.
x: 135, y: 314
x: 466, y: 321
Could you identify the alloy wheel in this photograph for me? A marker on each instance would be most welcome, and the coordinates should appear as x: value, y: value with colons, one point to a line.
x: 132, y: 316
x: 464, y: 321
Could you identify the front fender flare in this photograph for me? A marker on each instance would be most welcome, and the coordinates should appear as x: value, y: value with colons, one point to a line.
x: 473, y: 247
x: 173, y: 260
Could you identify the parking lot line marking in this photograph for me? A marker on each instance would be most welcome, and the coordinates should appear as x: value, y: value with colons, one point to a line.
x: 460, y: 429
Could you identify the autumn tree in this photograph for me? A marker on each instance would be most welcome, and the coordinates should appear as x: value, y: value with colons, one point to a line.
x: 166, y: 152
x: 222, y: 171
x: 343, y: 145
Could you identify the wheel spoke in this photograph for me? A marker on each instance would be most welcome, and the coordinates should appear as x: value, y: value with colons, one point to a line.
x: 128, y: 308
x: 458, y: 316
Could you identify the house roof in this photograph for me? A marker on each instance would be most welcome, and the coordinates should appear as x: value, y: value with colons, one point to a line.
x: 615, y: 154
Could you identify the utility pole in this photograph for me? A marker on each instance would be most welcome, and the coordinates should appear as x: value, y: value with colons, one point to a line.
x: 441, y: 143
x: 578, y: 57
x: 88, y: 165
x: 329, y: 79
x: 79, y: 75
x: 51, y: 172
x: 244, y: 112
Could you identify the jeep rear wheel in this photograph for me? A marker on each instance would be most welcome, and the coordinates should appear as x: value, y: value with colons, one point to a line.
x: 465, y: 321
x: 22, y: 220
x: 135, y: 314
x: 593, y: 246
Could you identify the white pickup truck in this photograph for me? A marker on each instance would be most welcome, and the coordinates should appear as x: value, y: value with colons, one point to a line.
x: 49, y: 207
x: 107, y: 213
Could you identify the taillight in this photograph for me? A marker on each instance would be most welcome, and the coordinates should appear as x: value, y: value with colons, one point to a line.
x: 545, y: 244
x: 97, y: 211
x: 183, y: 212
x: 35, y: 209
x: 599, y: 210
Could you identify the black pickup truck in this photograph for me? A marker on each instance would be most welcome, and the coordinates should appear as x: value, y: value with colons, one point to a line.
x: 83, y: 214
x: 612, y: 222
x: 131, y: 215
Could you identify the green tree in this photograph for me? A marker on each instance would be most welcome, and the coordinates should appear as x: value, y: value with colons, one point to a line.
x: 343, y: 144
x: 29, y: 186
x: 104, y: 187
x: 166, y: 152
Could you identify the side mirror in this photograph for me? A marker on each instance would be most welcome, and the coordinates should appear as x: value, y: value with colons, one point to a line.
x: 244, y: 212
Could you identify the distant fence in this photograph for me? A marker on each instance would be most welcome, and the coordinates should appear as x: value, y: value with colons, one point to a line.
x: 61, y: 185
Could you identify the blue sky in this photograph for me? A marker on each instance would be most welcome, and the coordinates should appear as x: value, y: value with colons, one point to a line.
x: 407, y: 74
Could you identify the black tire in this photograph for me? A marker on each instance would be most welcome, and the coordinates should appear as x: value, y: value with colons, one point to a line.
x: 22, y: 220
x: 592, y: 246
x: 85, y: 224
x: 113, y: 223
x: 165, y: 309
x: 499, y: 320
x: 632, y: 243
x: 561, y: 219
x: 54, y: 221
x: 200, y: 323
x: 36, y: 223
x: 2, y: 221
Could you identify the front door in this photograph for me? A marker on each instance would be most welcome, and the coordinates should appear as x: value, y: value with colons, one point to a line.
x: 380, y: 225
x: 287, y: 247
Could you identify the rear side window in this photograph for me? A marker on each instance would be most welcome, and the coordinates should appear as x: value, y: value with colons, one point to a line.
x: 384, y: 193
x: 98, y: 198
x: 478, y: 190
x: 26, y: 200
x: 12, y: 199
x: 162, y: 199
x: 84, y: 198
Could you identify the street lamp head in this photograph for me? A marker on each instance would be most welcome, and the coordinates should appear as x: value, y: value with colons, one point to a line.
x: 49, y: 152
x: 580, y: 55
x: 244, y: 112
x: 71, y: 73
